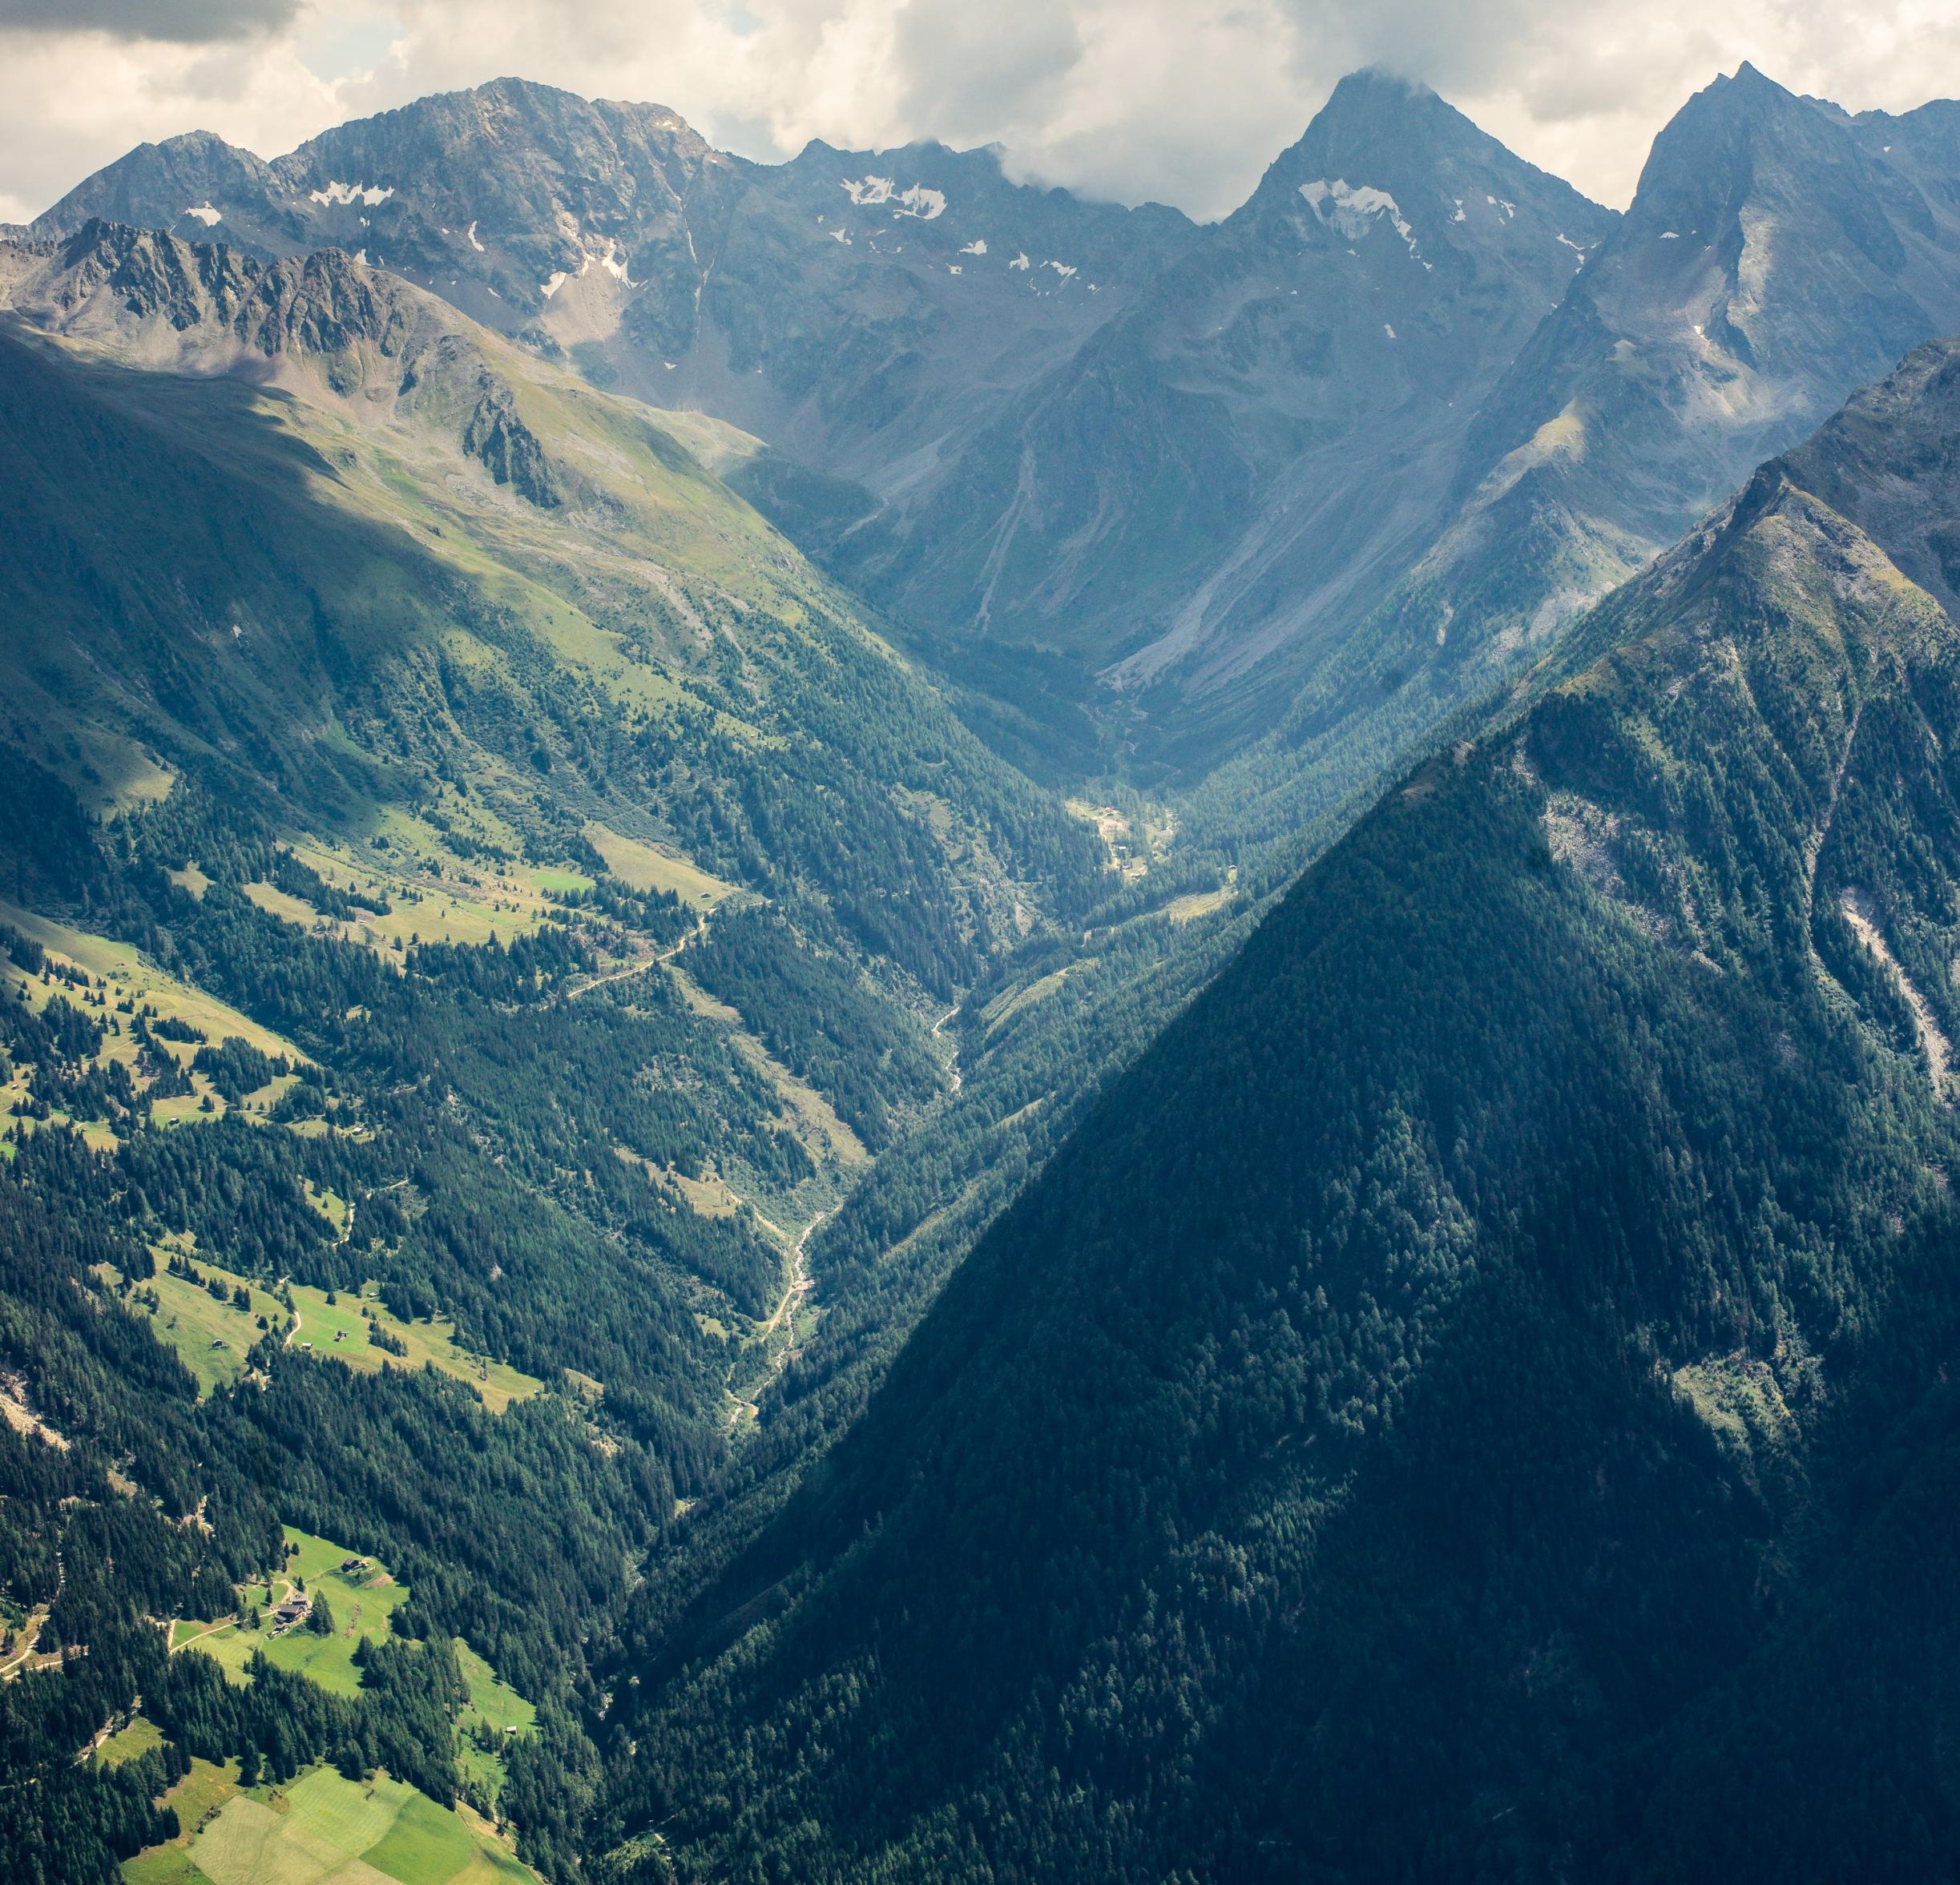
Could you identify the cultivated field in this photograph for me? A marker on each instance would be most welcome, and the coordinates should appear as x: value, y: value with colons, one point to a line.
x: 321, y: 1827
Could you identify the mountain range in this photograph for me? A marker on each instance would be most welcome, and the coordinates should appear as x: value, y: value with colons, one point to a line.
x: 1146, y: 491
x: 858, y: 1024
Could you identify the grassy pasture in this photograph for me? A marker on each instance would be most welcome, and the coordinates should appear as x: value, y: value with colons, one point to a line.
x: 192, y: 1321
x: 363, y: 1602
x: 117, y: 970
x: 127, y: 1743
x: 323, y: 1827
x: 1189, y: 908
x: 340, y: 1329
x: 646, y: 866
x: 493, y: 1707
x: 117, y: 973
x: 433, y: 894
x: 201, y: 1794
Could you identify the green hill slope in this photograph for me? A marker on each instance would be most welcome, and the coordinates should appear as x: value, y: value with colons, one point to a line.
x: 315, y: 524
x: 1472, y: 1400
x: 449, y: 957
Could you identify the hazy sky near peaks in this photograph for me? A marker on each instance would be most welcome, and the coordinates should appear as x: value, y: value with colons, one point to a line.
x: 1183, y: 100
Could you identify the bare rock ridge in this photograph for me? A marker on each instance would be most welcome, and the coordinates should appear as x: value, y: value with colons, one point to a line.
x: 210, y: 308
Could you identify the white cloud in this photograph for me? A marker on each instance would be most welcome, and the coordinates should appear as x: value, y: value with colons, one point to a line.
x: 1182, y: 100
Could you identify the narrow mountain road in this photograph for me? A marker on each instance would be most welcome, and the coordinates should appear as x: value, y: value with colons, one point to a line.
x: 697, y: 934
x: 210, y: 1629
x: 799, y: 1286
x: 27, y: 1657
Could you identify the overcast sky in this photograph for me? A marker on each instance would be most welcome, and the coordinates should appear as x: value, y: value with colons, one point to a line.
x: 1182, y: 100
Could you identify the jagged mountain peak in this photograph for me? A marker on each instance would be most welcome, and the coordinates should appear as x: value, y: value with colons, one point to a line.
x: 507, y: 110
x: 1380, y: 134
x: 1888, y: 461
x: 1747, y: 138
x: 318, y: 302
x: 1773, y: 235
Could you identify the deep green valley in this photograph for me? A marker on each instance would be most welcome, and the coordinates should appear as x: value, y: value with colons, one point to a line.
x: 818, y: 1067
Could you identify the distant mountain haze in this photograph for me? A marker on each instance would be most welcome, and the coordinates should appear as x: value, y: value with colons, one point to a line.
x: 1148, y: 491
x: 1778, y: 254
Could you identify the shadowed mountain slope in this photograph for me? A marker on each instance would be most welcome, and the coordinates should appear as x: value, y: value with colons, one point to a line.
x: 1474, y: 1396
x: 403, y: 540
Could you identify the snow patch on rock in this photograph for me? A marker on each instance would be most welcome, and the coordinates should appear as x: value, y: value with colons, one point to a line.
x: 471, y: 232
x: 976, y: 248
x: 553, y: 283
x: 370, y: 193
x: 1353, y: 209
x: 1020, y: 262
x: 1062, y: 268
x: 205, y: 214
x: 916, y: 199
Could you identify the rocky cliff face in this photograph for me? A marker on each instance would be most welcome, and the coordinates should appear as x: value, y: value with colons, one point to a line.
x: 206, y: 308
x: 855, y: 308
x: 1779, y: 253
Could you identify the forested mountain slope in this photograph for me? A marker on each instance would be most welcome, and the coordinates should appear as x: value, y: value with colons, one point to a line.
x: 450, y: 959
x: 609, y: 609
x: 1476, y: 1384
